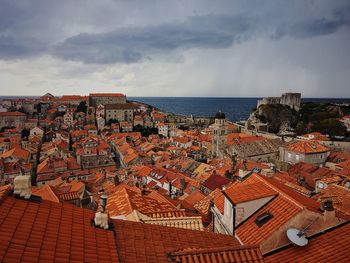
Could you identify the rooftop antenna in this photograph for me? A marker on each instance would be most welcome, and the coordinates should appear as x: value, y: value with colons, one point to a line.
x: 298, y: 237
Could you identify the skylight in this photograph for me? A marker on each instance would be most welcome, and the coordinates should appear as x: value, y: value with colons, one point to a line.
x: 263, y: 218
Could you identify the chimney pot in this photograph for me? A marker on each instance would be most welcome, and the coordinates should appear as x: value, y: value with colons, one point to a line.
x: 22, y: 185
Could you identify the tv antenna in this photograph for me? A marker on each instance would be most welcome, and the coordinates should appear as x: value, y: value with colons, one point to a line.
x: 298, y: 237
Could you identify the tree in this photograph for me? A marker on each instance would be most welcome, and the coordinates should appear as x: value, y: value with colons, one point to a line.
x: 25, y: 133
x: 82, y: 107
x: 111, y: 121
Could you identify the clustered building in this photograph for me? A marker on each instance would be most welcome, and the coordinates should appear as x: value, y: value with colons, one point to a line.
x: 99, y: 178
x: 292, y: 100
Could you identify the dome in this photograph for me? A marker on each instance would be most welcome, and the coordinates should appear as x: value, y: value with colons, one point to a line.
x: 220, y: 115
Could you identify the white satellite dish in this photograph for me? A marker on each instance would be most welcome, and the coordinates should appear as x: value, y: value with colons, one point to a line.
x: 297, y: 237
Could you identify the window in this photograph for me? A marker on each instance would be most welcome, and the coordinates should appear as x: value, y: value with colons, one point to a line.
x: 289, y: 155
x: 263, y: 218
x: 297, y: 157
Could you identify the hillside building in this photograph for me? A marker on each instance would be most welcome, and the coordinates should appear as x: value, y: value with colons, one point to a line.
x: 293, y: 100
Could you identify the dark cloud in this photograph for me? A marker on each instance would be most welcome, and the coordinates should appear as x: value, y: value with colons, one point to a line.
x: 30, y: 28
x: 129, y: 45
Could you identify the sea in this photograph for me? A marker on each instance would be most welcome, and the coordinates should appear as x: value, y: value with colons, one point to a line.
x: 235, y: 109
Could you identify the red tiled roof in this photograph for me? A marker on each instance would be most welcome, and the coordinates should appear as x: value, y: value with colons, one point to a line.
x: 203, y: 205
x: 125, y: 199
x: 332, y: 246
x: 307, y: 147
x: 106, y: 95
x: 298, y: 198
x: 4, y: 190
x: 340, y: 197
x: 221, y: 254
x: 12, y: 114
x: 47, y: 232
x: 46, y: 193
x: 282, y: 210
x: 17, y: 152
x: 250, y: 189
x: 69, y: 196
x: 194, y: 197
x: 137, y: 242
x: 215, y: 181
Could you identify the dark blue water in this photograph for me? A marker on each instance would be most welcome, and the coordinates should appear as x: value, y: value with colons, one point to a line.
x: 236, y: 109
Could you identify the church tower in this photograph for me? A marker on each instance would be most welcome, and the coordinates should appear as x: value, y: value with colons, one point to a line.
x: 219, y: 135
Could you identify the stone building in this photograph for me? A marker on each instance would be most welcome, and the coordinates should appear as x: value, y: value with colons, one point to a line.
x: 304, y: 151
x: 293, y: 100
x: 68, y: 118
x: 106, y: 98
x: 219, y: 134
x: 163, y: 129
x: 12, y: 119
x: 120, y: 112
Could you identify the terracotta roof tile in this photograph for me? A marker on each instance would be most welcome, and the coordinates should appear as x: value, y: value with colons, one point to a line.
x: 203, y: 205
x: 47, y: 231
x: 250, y: 189
x: 12, y: 113
x: 46, y: 192
x: 220, y: 254
x: 307, y: 147
x: 106, y: 95
x: 340, y: 197
x: 215, y: 181
x: 282, y: 210
x: 332, y: 246
x: 16, y: 152
x: 125, y: 199
x: 194, y: 197
x: 137, y: 242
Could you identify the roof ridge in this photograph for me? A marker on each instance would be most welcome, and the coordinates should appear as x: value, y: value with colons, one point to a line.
x: 280, y: 192
x: 194, y: 250
x: 127, y: 196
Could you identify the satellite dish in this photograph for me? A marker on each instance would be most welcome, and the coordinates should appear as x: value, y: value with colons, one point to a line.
x: 297, y: 237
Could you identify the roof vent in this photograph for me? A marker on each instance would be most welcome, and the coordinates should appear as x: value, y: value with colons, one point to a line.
x: 327, y: 205
x: 22, y: 186
x: 263, y: 218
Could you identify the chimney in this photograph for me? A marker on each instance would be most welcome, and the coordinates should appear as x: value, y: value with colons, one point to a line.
x: 101, y: 218
x: 327, y: 205
x: 273, y: 167
x: 22, y: 186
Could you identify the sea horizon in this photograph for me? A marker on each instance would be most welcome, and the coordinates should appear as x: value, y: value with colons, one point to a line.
x: 235, y: 108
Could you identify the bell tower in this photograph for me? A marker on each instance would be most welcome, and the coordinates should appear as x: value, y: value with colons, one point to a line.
x: 219, y: 135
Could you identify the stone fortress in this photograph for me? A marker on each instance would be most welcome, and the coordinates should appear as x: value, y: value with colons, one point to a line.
x: 292, y: 100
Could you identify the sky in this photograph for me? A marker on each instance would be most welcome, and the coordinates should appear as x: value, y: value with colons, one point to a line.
x: 200, y: 48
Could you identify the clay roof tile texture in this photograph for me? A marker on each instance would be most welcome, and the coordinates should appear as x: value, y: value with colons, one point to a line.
x: 332, y: 246
x: 137, y: 242
x: 47, y: 232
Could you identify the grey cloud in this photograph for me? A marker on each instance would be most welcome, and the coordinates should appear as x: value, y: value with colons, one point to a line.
x: 31, y: 28
x: 129, y: 45
x: 11, y: 48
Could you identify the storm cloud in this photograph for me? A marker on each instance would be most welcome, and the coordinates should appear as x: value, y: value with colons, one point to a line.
x: 172, y: 46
